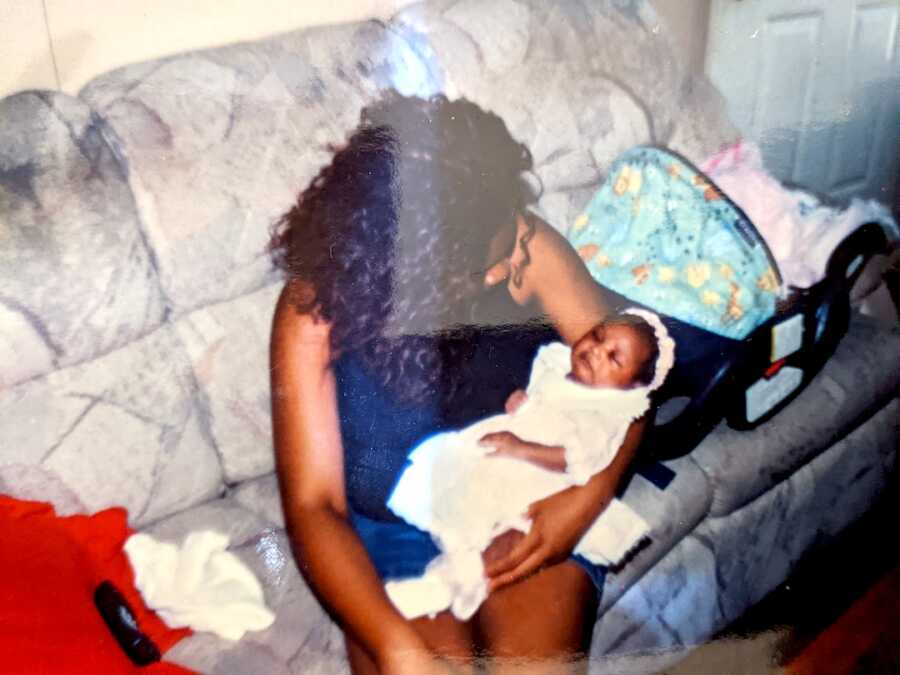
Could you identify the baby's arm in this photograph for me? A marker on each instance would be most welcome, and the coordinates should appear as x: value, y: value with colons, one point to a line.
x: 507, y: 444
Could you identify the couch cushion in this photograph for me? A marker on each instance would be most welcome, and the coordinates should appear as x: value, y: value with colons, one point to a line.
x: 261, y: 496
x: 727, y: 564
x: 219, y: 142
x: 576, y: 82
x: 757, y: 546
x: 34, y: 483
x: 76, y: 275
x: 228, y: 346
x: 863, y: 373
x: 224, y: 516
x: 612, y: 41
x: 302, y: 640
x: 671, y: 513
x: 122, y: 430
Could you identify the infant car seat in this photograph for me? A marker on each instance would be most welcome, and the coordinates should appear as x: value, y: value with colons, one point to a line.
x: 662, y: 235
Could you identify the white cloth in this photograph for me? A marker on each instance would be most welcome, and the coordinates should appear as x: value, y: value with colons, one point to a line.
x: 452, y: 490
x: 198, y: 584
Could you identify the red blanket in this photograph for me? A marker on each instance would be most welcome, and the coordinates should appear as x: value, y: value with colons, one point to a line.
x: 50, y: 567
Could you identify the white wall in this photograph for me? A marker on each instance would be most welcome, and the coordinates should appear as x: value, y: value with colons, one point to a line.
x: 689, y: 22
x: 25, y: 60
x: 62, y: 44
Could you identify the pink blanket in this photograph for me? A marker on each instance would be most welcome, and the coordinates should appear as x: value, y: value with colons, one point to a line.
x: 799, y: 230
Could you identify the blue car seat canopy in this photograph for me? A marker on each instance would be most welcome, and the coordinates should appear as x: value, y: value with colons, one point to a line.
x: 662, y: 235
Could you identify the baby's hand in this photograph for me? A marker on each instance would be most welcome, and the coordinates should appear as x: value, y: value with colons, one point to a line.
x: 515, y: 401
x: 504, y: 443
x: 507, y: 444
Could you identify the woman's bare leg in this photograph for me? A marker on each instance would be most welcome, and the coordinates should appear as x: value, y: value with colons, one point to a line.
x: 540, y: 625
x: 360, y: 661
x: 445, y: 636
x: 449, y: 638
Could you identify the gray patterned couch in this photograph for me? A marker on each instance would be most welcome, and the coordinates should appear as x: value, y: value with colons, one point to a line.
x: 135, y: 301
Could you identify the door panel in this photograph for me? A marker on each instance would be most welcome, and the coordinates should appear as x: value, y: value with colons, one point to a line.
x: 817, y: 84
x: 861, y: 131
x: 787, y: 81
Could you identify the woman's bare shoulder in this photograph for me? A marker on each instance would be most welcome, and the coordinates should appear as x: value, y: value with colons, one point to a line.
x: 294, y: 328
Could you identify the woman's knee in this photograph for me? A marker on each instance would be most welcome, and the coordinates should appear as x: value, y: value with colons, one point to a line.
x: 448, y: 637
x: 558, y: 665
x: 542, y: 624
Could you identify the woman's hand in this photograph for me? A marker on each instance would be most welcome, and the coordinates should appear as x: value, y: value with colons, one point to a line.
x: 559, y: 521
x: 557, y: 524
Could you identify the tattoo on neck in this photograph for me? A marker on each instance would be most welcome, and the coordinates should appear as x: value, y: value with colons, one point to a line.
x: 523, y: 246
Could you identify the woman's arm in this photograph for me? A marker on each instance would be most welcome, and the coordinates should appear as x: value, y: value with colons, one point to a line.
x: 309, y: 462
x: 559, y: 281
x: 560, y: 520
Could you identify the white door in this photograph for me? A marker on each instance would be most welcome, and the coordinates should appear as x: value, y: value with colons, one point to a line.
x: 817, y: 83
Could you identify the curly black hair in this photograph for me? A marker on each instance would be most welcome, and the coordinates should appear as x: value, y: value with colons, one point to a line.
x: 393, y: 234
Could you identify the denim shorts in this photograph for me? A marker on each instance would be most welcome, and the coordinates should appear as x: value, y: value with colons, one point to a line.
x: 399, y: 550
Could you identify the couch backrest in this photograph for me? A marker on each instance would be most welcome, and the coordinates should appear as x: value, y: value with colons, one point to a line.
x: 136, y: 293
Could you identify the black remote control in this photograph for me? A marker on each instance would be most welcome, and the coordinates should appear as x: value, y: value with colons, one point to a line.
x: 121, y: 621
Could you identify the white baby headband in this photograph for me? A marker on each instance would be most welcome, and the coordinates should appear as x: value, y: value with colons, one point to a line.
x: 666, y: 344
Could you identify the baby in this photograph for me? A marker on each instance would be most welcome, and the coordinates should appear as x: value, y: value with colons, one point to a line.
x: 466, y: 487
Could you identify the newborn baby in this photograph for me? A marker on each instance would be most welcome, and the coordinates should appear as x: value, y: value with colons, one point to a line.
x: 466, y: 487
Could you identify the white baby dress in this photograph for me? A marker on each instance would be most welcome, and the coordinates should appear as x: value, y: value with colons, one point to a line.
x: 465, y: 499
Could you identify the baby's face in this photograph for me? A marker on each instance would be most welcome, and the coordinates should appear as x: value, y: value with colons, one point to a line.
x: 609, y: 355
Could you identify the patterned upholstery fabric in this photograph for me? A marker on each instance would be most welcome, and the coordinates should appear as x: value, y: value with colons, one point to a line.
x: 660, y: 233
x: 136, y: 297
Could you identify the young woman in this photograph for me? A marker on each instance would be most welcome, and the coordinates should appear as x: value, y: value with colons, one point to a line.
x: 417, y: 285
